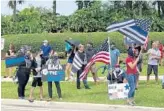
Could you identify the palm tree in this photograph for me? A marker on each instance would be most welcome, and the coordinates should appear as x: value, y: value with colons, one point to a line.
x: 13, y: 5
x: 160, y: 7
x: 54, y: 7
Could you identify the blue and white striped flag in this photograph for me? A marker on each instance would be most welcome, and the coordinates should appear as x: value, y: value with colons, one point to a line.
x: 136, y: 30
x: 117, y: 26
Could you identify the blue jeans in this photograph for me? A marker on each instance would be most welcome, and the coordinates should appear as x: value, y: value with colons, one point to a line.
x: 132, y: 84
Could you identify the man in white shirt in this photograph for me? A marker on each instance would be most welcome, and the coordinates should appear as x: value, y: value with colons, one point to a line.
x: 153, y: 61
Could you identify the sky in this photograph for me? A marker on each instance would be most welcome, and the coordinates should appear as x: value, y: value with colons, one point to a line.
x: 64, y: 7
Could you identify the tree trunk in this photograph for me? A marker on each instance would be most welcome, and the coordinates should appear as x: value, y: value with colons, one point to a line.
x: 54, y: 7
x: 159, y: 8
x: 14, y: 11
x: 129, y: 4
x: 140, y: 9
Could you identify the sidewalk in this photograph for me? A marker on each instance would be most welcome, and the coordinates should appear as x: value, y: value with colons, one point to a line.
x: 24, y: 105
x: 89, y: 79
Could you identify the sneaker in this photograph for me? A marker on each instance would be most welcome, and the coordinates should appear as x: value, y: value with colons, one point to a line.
x: 78, y: 87
x: 134, y: 102
x: 31, y: 100
x: 49, y: 99
x: 130, y: 103
x: 5, y: 77
x: 87, y: 87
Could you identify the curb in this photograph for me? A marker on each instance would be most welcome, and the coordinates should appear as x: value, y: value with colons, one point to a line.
x: 69, y: 104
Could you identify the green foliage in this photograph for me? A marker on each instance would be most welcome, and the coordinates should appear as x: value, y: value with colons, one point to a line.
x: 91, y: 16
x: 57, y: 40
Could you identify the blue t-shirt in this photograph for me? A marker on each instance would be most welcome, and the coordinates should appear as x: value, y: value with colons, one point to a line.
x: 46, y: 50
x: 114, y: 56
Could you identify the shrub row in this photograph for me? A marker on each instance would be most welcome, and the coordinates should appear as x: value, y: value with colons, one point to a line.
x: 57, y: 40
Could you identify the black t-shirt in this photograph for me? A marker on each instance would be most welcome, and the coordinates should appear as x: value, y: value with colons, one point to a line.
x: 81, y: 55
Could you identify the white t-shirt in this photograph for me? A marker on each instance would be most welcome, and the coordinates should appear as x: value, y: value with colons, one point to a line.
x: 152, y: 52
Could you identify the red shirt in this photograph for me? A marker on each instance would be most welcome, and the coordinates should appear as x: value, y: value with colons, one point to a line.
x: 130, y: 70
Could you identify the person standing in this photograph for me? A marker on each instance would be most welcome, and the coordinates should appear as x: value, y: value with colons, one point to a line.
x: 153, y: 60
x: 69, y: 62
x: 90, y: 51
x: 23, y: 73
x: 131, y: 63
x: 82, y: 55
x: 37, y: 66
x: 115, y: 55
x: 11, y: 52
x: 46, y: 49
x: 53, y: 60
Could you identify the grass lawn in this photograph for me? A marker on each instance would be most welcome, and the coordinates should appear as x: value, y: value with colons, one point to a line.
x: 151, y: 95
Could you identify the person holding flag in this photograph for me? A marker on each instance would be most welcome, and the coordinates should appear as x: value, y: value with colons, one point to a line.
x: 90, y: 51
x: 131, y: 63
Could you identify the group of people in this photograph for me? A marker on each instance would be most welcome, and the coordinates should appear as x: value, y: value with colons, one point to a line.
x: 46, y: 55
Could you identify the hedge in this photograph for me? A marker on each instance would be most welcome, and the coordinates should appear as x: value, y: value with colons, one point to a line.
x: 57, y: 40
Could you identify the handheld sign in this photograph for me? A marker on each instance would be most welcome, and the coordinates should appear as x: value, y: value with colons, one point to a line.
x: 14, y: 61
x: 118, y: 91
x: 53, y: 73
x: 2, y: 43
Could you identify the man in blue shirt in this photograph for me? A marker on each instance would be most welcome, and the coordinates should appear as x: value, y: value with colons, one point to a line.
x: 115, y: 54
x: 46, y: 49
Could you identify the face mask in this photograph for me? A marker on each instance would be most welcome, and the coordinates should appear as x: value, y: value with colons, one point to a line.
x: 45, y: 44
x: 117, y: 69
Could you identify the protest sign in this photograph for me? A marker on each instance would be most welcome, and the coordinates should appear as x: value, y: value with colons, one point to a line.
x: 14, y: 61
x: 118, y: 91
x: 53, y: 73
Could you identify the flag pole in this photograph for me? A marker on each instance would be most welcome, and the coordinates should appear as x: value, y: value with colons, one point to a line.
x: 110, y: 62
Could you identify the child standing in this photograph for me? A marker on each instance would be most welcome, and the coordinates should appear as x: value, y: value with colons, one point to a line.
x: 37, y: 64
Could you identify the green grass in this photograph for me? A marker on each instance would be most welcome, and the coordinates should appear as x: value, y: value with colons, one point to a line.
x: 151, y: 95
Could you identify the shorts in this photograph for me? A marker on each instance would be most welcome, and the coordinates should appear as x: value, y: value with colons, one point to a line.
x: 70, y: 60
x: 155, y: 69
x: 93, y: 69
x: 36, y: 82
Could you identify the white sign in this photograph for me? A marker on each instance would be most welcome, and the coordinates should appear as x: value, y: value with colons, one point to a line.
x: 118, y: 91
x: 2, y: 43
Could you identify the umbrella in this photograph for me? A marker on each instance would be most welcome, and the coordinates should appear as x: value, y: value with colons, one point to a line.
x: 73, y: 42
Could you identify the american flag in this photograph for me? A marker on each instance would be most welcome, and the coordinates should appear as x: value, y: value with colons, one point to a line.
x: 77, y: 64
x: 101, y: 56
x: 136, y: 30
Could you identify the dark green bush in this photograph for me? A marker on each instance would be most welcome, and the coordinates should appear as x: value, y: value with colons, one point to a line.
x: 57, y: 40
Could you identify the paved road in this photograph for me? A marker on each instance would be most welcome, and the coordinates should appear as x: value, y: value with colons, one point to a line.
x: 89, y: 78
x: 24, y: 105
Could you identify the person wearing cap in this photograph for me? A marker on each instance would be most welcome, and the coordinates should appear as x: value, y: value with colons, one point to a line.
x: 46, y: 49
x: 115, y: 55
x: 118, y: 75
x: 131, y: 72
